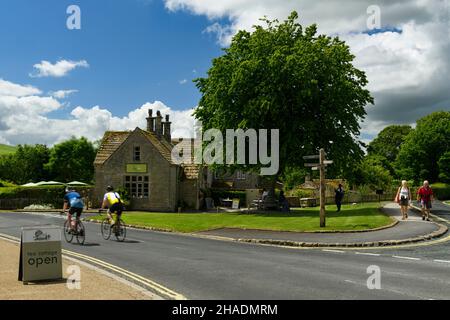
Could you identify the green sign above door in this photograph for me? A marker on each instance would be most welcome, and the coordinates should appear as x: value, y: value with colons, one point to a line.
x: 136, y: 168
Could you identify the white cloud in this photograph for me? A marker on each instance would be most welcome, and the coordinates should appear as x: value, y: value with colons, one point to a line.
x: 25, y: 119
x: 62, y: 94
x: 184, y: 81
x: 60, y: 69
x: 15, y: 90
x: 408, y: 72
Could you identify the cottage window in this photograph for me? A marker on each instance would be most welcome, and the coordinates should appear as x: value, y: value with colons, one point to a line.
x: 137, y: 154
x: 137, y: 186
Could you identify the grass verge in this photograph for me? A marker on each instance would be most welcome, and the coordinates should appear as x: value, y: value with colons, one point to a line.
x: 352, y: 217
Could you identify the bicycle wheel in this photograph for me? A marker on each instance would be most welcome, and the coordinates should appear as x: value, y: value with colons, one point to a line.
x: 67, y: 234
x: 106, y: 229
x: 81, y: 233
x: 120, y: 231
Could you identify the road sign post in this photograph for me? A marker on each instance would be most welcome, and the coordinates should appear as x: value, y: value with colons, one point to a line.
x: 321, y: 166
x: 322, y: 188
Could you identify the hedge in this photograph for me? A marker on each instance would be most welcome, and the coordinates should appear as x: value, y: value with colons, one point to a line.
x: 441, y: 191
x: 52, y: 195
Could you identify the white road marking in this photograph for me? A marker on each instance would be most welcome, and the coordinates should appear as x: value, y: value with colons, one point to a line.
x: 336, y: 251
x: 47, y: 215
x: 443, y: 261
x: 352, y: 282
x: 368, y: 254
x: 406, y: 258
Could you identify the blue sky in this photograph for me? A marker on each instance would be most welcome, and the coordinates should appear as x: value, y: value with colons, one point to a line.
x: 137, y: 51
x: 132, y: 55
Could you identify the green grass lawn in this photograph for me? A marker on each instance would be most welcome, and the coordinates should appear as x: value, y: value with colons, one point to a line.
x: 447, y: 202
x: 4, y: 149
x: 358, y: 217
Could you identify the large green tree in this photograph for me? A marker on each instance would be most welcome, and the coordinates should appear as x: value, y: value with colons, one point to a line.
x: 444, y: 167
x: 72, y: 160
x: 371, y: 172
x: 388, y: 142
x: 424, y: 146
x: 27, y: 164
x: 283, y: 76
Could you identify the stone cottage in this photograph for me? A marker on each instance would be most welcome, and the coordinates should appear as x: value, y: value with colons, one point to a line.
x: 140, y: 161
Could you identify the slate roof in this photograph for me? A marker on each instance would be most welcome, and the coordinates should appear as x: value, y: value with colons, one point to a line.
x: 163, y: 147
x: 111, y: 141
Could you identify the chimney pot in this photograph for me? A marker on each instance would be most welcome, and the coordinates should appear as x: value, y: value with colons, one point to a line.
x: 150, y: 121
x: 158, y: 124
x: 166, y: 129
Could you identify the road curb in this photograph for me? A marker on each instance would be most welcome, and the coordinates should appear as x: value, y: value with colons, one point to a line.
x: 383, y: 243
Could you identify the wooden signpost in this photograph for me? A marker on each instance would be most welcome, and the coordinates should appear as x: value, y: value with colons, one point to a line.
x: 320, y: 166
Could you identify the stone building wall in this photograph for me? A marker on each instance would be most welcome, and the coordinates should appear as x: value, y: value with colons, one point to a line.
x: 163, y: 193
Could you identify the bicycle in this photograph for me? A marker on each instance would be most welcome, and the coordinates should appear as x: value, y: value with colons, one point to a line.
x: 79, y: 232
x: 120, y: 230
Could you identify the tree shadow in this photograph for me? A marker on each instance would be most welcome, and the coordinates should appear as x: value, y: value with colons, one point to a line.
x: 330, y: 212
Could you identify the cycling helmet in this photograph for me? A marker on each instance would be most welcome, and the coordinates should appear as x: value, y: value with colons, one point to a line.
x: 109, y: 188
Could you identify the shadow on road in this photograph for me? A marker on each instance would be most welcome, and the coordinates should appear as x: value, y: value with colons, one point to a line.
x: 86, y: 244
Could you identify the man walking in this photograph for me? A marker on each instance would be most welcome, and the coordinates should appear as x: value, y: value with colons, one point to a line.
x: 339, y: 196
x: 425, y: 196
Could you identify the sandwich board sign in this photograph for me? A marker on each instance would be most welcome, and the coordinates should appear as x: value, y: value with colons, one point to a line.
x: 40, y: 254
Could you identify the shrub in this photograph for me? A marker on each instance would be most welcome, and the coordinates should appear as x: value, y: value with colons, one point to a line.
x: 51, y: 195
x: 301, y: 193
x: 441, y: 191
x: 4, y: 183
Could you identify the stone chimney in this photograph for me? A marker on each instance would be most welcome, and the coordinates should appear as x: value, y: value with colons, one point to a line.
x: 150, y: 121
x: 166, y: 129
x: 158, y: 124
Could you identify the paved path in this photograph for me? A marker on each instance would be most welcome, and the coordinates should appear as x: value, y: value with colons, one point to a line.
x: 411, y: 228
x: 211, y: 269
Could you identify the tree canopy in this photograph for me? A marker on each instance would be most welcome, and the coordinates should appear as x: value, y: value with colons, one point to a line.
x: 283, y: 76
x: 388, y: 142
x: 65, y: 162
x: 424, y: 146
x: 72, y: 160
x: 26, y: 164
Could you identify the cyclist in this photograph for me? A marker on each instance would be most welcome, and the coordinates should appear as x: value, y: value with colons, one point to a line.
x: 114, y: 203
x: 74, y: 203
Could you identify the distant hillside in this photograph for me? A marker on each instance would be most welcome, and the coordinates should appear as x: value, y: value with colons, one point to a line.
x: 4, y: 149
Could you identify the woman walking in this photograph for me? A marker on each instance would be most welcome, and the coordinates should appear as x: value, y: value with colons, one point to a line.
x: 403, y: 198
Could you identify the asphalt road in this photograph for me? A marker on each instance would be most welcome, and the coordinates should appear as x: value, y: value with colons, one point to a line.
x: 211, y: 269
